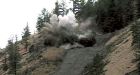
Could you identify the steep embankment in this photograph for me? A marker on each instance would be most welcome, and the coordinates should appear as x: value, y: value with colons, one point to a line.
x: 122, y: 53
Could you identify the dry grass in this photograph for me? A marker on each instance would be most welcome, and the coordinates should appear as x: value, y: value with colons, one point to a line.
x: 53, y: 54
x: 37, y: 67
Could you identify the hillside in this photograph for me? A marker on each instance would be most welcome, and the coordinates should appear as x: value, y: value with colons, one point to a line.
x: 122, y: 53
x: 76, y: 59
x: 75, y: 37
x: 115, y: 46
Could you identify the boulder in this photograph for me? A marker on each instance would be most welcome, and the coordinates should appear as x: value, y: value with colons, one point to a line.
x: 87, y: 41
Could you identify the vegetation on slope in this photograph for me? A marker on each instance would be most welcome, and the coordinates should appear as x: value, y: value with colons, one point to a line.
x: 96, y: 67
x: 109, y: 15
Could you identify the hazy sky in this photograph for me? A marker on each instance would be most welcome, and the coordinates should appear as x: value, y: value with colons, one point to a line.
x: 14, y: 15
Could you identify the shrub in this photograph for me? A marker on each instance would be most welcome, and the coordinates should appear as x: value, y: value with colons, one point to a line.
x: 87, y: 41
x: 96, y: 67
x: 5, y: 67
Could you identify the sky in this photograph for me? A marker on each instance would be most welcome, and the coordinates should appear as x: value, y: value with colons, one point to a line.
x: 14, y: 15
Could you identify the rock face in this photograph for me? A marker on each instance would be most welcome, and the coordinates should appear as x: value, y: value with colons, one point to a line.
x: 87, y: 41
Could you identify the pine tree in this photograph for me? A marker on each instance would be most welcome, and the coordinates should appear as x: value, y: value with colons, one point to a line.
x: 25, y: 36
x: 138, y: 8
x: 14, y: 57
x: 87, y: 10
x: 5, y: 65
x: 43, y: 18
x: 56, y: 10
x: 114, y: 14
x: 136, y: 41
x: 62, y: 8
x: 77, y: 7
x: 136, y: 34
x: 135, y: 28
x: 26, y: 32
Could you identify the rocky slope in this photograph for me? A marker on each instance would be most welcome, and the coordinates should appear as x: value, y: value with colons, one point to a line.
x: 76, y: 59
x: 117, y: 46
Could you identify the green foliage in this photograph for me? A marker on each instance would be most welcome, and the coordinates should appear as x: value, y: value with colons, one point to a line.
x: 110, y: 15
x: 114, y: 14
x: 25, y: 36
x: 26, y: 32
x: 135, y: 28
x: 26, y: 72
x: 87, y: 10
x: 76, y: 6
x: 62, y: 8
x: 136, y: 34
x: 43, y: 17
x: 56, y: 10
x: 138, y: 8
x: 5, y: 65
x: 33, y: 56
x: 14, y: 57
x: 96, y: 67
x: 110, y: 47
